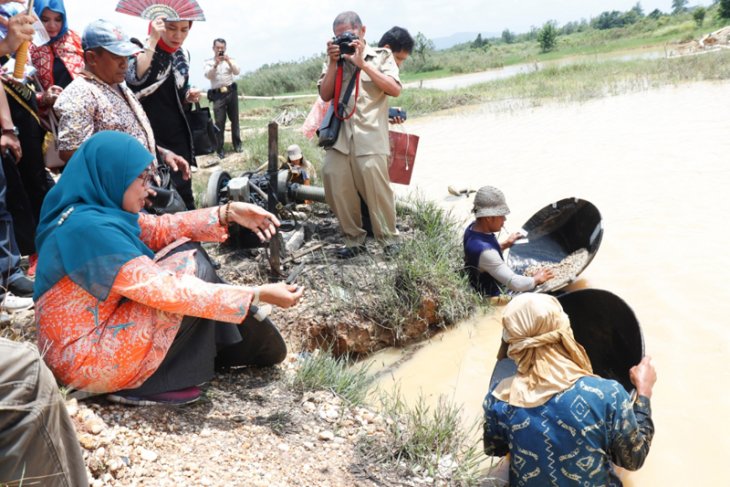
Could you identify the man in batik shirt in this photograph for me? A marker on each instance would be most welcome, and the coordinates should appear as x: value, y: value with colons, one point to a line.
x: 99, y: 99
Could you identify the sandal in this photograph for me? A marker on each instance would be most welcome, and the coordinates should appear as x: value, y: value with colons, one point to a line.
x: 179, y: 397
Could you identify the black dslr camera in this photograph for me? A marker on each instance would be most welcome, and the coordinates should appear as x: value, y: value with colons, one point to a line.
x: 344, y: 41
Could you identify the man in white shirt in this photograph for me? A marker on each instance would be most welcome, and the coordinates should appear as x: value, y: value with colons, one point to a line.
x: 223, y: 93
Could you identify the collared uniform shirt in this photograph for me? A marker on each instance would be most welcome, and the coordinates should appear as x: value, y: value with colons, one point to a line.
x: 366, y: 132
x: 221, y: 75
x: 88, y: 105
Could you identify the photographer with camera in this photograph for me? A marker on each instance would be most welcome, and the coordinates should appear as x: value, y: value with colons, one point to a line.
x: 357, y: 163
x: 223, y: 93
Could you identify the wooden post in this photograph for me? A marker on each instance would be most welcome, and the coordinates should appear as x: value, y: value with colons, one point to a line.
x: 273, y: 165
x: 276, y: 244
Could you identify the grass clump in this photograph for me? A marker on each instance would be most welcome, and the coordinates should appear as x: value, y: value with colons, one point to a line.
x: 427, y: 442
x: 425, y: 281
x: 321, y: 371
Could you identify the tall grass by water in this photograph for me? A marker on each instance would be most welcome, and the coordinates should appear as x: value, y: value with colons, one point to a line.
x: 427, y: 442
x: 322, y: 371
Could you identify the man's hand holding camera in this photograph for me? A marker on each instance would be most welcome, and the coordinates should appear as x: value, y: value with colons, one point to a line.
x: 347, y: 46
x: 221, y: 57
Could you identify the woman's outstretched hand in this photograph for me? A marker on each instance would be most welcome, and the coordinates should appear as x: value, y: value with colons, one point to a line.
x: 280, y: 294
x: 253, y: 217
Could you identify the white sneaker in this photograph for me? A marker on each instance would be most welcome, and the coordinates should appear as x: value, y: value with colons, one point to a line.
x: 15, y: 303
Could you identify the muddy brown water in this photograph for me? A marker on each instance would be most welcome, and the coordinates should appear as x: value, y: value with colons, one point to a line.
x: 656, y: 166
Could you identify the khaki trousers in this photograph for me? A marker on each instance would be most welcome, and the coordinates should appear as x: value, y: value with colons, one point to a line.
x: 346, y: 178
x: 38, y: 444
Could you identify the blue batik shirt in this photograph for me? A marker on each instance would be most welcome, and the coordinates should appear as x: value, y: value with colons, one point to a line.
x: 575, y: 438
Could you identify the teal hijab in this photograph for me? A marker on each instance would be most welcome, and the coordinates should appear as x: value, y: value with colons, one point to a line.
x: 55, y: 6
x: 84, y: 233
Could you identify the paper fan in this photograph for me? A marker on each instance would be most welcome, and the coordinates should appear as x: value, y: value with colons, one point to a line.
x: 169, y: 9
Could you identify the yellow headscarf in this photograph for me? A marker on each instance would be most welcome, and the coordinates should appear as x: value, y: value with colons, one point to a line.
x: 541, y: 342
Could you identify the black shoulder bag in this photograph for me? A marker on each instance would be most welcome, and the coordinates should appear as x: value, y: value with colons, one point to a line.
x: 330, y: 127
x: 204, y: 130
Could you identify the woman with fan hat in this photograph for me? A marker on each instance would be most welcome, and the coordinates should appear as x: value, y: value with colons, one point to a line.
x: 160, y: 77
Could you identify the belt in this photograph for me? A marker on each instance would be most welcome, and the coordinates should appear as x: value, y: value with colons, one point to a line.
x: 224, y: 89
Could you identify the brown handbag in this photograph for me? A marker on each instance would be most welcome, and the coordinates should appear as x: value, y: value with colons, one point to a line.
x: 403, y: 147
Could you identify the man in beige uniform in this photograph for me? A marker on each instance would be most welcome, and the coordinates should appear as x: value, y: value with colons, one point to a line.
x: 357, y: 164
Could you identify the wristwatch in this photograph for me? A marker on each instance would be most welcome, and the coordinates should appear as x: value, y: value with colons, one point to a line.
x: 13, y: 130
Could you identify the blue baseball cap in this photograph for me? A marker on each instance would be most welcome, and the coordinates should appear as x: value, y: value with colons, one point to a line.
x: 104, y: 34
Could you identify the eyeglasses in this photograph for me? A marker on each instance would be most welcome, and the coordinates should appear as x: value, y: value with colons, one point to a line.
x: 148, y: 176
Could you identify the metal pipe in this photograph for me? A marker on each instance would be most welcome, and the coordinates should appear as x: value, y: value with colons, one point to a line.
x: 300, y: 192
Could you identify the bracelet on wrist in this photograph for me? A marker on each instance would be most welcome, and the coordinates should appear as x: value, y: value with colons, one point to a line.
x: 256, y: 296
x: 228, y: 213
x: 220, y: 220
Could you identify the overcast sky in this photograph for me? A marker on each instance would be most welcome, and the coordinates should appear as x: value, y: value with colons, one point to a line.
x: 270, y: 31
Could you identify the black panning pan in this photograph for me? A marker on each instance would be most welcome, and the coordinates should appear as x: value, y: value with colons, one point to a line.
x: 606, y: 327
x: 554, y: 233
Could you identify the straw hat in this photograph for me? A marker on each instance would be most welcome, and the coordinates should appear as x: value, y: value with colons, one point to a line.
x: 489, y: 201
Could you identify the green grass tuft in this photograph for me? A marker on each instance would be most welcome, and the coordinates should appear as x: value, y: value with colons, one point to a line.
x: 321, y: 371
x: 427, y: 442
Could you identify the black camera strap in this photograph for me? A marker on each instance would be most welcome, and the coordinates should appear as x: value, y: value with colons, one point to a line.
x: 341, y: 106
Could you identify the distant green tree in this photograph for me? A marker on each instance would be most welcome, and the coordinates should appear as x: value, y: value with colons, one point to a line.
x: 630, y: 17
x: 479, y: 42
x: 547, y: 37
x: 609, y: 20
x: 637, y: 8
x: 655, y: 14
x: 679, y: 6
x: 723, y: 10
x: 699, y: 15
x: 422, y: 47
x: 507, y: 36
x: 568, y: 28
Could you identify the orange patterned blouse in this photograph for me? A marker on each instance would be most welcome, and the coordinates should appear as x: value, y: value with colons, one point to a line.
x: 106, y: 346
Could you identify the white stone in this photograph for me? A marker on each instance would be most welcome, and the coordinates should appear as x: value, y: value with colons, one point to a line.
x: 147, y: 455
x: 72, y: 407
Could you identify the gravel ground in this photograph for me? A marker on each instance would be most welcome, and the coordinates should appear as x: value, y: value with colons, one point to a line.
x: 251, y: 428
